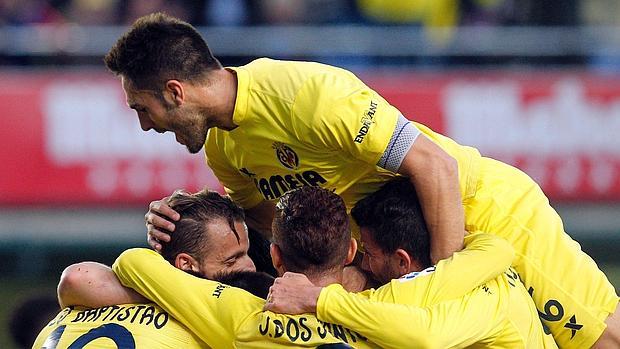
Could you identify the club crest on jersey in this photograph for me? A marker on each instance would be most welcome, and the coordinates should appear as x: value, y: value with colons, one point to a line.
x: 286, y: 155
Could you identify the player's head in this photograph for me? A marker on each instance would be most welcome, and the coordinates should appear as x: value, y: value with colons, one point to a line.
x: 255, y: 282
x: 393, y: 231
x: 311, y: 233
x: 160, y: 59
x: 211, y: 236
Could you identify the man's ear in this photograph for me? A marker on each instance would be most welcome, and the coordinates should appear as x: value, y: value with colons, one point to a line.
x: 405, y: 263
x: 175, y: 91
x: 276, y: 258
x: 186, y: 262
x: 352, y: 252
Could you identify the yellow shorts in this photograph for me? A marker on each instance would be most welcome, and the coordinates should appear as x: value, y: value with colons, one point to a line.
x: 572, y: 295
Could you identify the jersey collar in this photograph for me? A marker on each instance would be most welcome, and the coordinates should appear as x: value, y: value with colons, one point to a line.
x: 243, y: 88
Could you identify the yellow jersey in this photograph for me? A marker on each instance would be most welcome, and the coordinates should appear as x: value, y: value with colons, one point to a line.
x: 310, y: 124
x: 224, y: 316
x: 429, y: 309
x: 298, y: 123
x: 127, y: 326
x: 302, y: 123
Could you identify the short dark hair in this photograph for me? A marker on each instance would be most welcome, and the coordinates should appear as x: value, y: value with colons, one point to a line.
x: 311, y: 228
x: 196, y: 210
x: 394, y: 219
x: 158, y: 48
x: 255, y: 282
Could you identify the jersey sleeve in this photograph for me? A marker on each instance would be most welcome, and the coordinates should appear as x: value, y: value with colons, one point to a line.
x: 454, y: 323
x: 350, y: 117
x: 484, y: 257
x: 207, y: 308
x: 240, y: 188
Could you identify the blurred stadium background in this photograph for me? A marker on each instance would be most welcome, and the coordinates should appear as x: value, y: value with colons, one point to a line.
x: 533, y: 83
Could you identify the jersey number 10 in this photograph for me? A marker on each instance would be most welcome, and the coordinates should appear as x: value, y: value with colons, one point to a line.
x: 117, y: 333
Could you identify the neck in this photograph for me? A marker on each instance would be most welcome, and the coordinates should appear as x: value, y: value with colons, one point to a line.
x: 220, y: 95
x: 323, y: 280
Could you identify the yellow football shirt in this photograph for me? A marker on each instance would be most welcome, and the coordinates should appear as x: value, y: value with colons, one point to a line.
x: 297, y: 128
x: 224, y: 316
x: 303, y: 123
x: 431, y: 308
x: 127, y: 326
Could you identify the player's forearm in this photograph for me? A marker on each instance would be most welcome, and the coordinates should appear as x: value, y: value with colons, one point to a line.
x: 484, y: 257
x: 387, y: 325
x: 434, y: 174
x: 93, y: 285
x: 443, y: 210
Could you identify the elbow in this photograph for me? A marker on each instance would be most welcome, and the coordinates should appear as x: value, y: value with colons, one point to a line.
x: 72, y: 279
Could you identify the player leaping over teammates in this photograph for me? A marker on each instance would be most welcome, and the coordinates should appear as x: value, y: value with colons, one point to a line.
x: 271, y: 126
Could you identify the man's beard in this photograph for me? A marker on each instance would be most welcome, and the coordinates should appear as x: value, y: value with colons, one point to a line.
x: 194, y: 134
x: 194, y: 148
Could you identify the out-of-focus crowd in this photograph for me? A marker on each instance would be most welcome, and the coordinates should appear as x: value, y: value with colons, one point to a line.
x: 423, y: 14
x: 273, y: 12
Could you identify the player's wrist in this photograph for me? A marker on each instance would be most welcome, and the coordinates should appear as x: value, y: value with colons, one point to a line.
x: 311, y: 299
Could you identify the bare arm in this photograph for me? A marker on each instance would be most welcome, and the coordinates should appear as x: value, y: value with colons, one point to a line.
x: 260, y: 217
x: 93, y: 285
x: 434, y: 174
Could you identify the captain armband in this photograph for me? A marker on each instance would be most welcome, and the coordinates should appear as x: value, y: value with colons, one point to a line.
x: 405, y: 133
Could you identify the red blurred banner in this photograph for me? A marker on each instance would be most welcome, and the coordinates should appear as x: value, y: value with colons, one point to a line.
x: 69, y: 138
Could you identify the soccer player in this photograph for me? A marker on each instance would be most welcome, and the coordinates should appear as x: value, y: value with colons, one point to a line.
x: 214, y: 242
x: 497, y: 314
x: 271, y: 126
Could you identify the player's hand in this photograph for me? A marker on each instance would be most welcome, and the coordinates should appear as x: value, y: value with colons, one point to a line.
x: 159, y: 223
x: 292, y: 294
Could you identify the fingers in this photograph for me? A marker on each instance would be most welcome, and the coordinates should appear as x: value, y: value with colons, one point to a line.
x: 159, y: 235
x: 158, y: 227
x: 269, y: 303
x: 160, y: 207
x: 158, y: 222
x: 153, y: 237
x: 153, y: 243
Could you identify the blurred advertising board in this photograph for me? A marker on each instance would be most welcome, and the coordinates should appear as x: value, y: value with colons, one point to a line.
x: 69, y: 138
